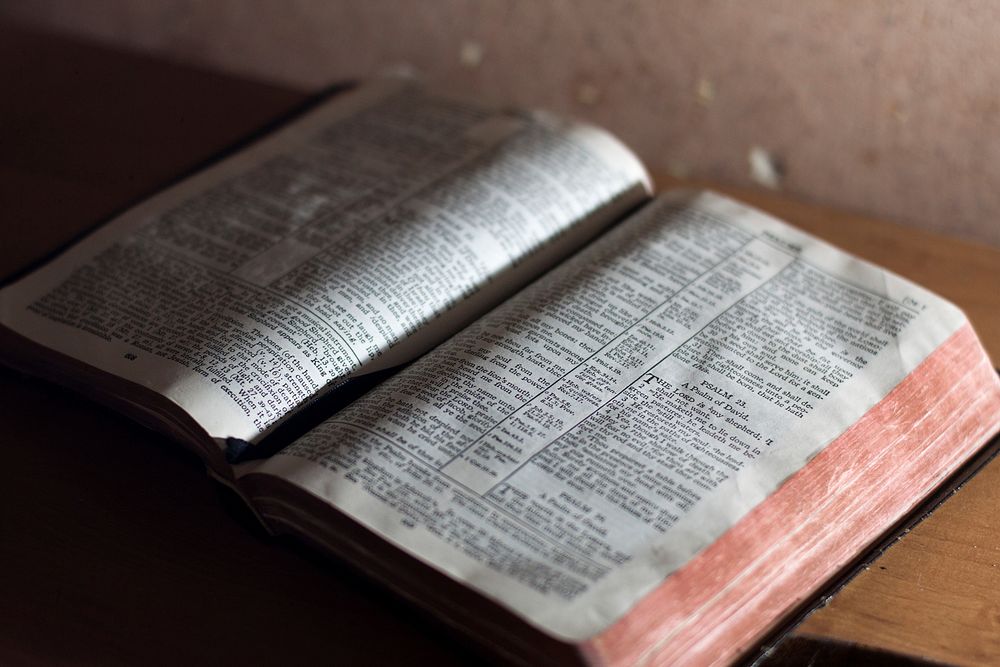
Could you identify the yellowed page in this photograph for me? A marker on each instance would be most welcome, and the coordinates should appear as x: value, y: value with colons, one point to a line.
x: 351, y: 240
x: 569, y: 450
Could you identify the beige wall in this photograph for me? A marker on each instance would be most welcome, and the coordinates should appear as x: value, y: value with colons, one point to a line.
x: 891, y: 108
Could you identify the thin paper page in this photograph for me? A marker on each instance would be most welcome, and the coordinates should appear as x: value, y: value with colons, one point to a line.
x: 569, y: 450
x: 352, y: 240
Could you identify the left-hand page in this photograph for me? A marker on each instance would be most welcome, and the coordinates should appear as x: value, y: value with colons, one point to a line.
x: 350, y: 241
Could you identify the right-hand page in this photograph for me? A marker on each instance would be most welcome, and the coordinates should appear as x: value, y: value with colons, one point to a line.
x: 572, y: 448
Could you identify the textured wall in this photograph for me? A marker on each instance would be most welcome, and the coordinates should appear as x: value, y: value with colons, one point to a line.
x: 891, y: 108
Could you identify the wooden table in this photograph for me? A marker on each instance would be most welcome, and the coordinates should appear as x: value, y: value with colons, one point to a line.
x: 115, y: 547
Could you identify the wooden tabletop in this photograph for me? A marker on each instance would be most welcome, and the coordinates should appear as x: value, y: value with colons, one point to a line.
x: 116, y: 548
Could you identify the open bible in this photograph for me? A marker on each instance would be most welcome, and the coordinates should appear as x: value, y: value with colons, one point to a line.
x: 466, y: 350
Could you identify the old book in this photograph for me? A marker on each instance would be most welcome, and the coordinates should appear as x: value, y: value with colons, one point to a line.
x: 467, y: 351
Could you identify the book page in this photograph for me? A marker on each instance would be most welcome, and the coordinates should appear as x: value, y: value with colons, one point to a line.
x: 569, y: 450
x: 349, y: 241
